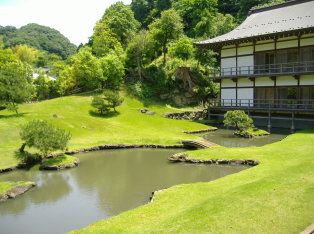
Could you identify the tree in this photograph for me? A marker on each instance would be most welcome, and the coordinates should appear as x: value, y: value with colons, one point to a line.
x: 86, y: 70
x: 100, y: 104
x: 166, y: 29
x: 113, y: 98
x: 118, y: 21
x: 25, y: 53
x: 15, y: 81
x: 43, y: 136
x: 238, y: 120
x: 137, y: 49
x: 195, y: 11
x: 104, y: 40
x: 108, y: 99
x: 182, y: 48
x: 113, y: 71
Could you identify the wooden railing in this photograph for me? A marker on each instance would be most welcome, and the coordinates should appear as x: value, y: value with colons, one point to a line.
x: 283, y: 104
x: 268, y: 70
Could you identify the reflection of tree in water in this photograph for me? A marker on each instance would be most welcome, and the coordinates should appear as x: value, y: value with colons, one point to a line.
x: 54, y: 186
x: 124, y: 179
x: 51, y: 187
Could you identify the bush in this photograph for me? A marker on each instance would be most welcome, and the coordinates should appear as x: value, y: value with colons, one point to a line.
x: 108, y: 99
x: 43, y: 136
x: 238, y: 119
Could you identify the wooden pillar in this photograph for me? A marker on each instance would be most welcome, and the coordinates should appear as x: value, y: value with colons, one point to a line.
x: 269, y: 120
x: 292, y: 123
x: 208, y: 113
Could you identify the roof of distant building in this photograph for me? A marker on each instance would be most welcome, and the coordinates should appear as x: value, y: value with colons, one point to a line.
x: 285, y: 19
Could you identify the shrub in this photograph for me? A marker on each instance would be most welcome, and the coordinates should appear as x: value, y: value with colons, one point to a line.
x: 238, y: 119
x: 43, y: 136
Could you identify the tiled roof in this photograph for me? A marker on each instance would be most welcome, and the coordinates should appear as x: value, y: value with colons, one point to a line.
x: 290, y: 16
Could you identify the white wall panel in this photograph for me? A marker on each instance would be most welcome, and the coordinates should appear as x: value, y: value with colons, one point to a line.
x: 245, y: 50
x: 228, y: 97
x: 287, y: 44
x: 225, y: 83
x: 263, y: 81
x: 286, y: 81
x: 228, y: 52
x: 307, y: 41
x: 245, y: 82
x: 228, y: 66
x: 265, y: 47
x: 245, y: 96
x: 245, y: 64
x: 307, y: 80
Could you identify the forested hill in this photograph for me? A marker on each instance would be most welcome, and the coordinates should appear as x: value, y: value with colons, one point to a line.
x: 39, y: 37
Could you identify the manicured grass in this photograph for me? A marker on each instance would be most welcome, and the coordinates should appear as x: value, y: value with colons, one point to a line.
x: 63, y: 159
x: 274, y: 197
x: 5, y: 186
x: 75, y: 115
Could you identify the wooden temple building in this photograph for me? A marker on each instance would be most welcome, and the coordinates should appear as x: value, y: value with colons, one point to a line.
x: 267, y: 66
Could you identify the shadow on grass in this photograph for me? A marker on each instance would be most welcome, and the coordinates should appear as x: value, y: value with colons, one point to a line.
x: 27, y: 160
x: 107, y: 115
x: 12, y: 116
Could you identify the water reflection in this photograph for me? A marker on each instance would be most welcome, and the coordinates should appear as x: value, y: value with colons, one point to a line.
x: 225, y: 137
x: 105, y: 184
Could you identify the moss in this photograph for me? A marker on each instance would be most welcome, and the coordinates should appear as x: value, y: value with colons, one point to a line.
x: 60, y: 160
x: 6, y: 186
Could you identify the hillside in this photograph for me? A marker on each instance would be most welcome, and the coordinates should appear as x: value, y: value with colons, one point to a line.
x: 39, y: 37
x: 74, y: 114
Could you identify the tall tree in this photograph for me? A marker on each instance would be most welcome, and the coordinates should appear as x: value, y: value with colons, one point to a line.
x: 166, y: 29
x: 194, y: 11
x: 119, y: 18
x: 86, y: 70
x: 15, y: 81
x: 25, y: 53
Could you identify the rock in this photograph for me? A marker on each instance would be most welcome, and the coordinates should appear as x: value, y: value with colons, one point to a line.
x: 15, y: 191
x: 83, y: 126
x: 55, y: 116
x: 223, y: 161
x: 75, y: 163
x: 164, y: 96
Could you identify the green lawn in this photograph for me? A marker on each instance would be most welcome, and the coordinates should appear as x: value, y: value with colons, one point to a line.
x: 89, y: 129
x: 5, y: 186
x: 274, y: 197
x: 60, y: 160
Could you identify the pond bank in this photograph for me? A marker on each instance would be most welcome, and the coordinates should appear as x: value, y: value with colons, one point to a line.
x: 14, y: 189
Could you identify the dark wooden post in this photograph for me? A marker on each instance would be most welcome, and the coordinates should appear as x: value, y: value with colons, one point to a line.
x: 292, y: 123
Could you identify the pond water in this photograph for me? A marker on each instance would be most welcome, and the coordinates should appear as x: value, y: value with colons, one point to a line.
x: 105, y: 184
x: 225, y: 137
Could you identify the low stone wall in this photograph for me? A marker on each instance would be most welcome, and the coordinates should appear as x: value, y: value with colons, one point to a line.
x: 183, y: 158
x: 187, y: 115
x: 8, y: 169
x: 15, y: 191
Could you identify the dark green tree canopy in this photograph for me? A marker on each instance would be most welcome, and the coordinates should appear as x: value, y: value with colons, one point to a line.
x: 39, y: 37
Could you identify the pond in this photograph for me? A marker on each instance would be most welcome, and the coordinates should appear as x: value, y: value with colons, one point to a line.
x: 225, y: 137
x: 105, y: 184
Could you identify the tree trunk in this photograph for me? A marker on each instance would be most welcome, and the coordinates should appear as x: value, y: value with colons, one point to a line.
x: 22, y: 148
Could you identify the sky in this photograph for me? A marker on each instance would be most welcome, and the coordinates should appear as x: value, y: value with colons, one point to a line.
x: 75, y: 19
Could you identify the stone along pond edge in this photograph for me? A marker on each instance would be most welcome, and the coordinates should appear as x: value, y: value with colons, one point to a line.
x: 16, y: 190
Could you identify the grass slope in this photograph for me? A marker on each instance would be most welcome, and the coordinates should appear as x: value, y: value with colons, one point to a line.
x: 127, y: 126
x: 274, y: 197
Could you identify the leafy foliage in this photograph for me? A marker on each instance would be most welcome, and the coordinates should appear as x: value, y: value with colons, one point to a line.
x: 15, y: 81
x: 43, y: 136
x: 39, y: 37
x: 115, y: 27
x: 238, y: 120
x: 108, y: 99
x: 166, y: 29
x: 112, y: 71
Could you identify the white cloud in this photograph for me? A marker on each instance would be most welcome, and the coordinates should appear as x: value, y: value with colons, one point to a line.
x: 73, y: 18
